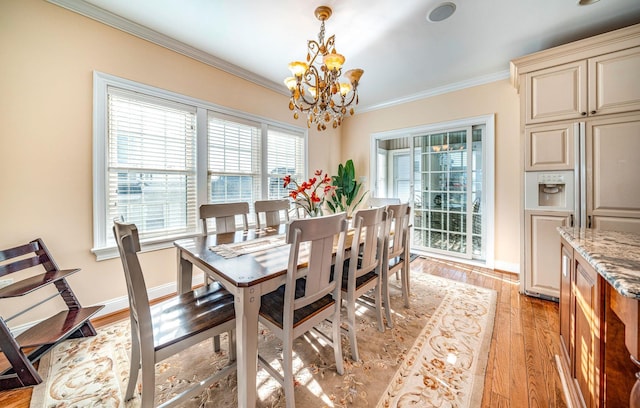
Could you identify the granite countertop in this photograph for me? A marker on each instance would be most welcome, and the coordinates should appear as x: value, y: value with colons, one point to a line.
x: 614, y: 255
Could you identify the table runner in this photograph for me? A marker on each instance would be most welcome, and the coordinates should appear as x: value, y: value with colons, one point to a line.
x: 247, y: 247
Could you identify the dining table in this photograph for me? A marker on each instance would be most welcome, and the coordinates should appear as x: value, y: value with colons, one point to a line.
x: 248, y: 264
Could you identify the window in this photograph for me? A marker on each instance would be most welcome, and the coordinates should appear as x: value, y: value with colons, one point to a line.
x: 159, y: 155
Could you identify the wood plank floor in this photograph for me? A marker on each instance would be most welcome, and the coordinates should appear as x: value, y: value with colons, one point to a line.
x: 521, y: 369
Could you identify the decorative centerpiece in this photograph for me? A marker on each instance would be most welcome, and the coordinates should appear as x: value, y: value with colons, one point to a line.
x: 310, y: 195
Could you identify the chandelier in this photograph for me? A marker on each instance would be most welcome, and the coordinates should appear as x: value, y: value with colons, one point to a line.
x: 315, y: 85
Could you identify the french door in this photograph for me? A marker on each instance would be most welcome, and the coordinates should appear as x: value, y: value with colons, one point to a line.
x: 448, y: 192
x: 446, y: 182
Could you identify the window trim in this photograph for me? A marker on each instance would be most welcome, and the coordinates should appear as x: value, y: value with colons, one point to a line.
x: 101, y: 82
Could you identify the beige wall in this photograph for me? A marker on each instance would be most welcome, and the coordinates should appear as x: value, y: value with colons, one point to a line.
x: 48, y: 55
x: 497, y: 98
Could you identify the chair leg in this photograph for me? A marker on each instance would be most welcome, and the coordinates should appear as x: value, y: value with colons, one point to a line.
x: 232, y: 345
x: 148, y: 379
x: 216, y: 343
x: 134, y: 366
x: 386, y: 300
x: 405, y: 283
x: 337, y: 343
x: 287, y: 367
x: 351, y: 325
x: 378, y: 303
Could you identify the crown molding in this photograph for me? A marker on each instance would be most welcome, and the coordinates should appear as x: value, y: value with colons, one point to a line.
x: 120, y: 23
x: 456, y: 86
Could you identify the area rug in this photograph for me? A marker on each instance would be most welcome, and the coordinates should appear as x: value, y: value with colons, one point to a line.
x: 435, y: 356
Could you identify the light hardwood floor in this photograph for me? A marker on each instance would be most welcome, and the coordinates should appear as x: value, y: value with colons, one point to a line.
x: 521, y: 370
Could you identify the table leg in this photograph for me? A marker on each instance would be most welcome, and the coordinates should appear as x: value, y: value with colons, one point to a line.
x: 247, y: 305
x: 185, y: 274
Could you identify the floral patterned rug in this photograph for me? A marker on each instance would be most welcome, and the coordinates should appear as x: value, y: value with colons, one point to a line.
x: 435, y: 356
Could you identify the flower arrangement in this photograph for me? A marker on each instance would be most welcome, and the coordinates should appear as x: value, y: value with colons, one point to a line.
x: 310, y: 195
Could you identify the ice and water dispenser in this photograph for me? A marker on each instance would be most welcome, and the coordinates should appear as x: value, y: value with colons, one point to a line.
x: 552, y: 191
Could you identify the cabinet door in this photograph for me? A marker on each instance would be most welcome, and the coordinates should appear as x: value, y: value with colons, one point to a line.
x: 587, y: 333
x: 613, y: 168
x: 566, y: 312
x: 556, y: 93
x: 542, y: 257
x: 614, y: 82
x: 550, y: 147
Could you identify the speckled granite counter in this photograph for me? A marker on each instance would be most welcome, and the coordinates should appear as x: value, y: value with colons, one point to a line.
x: 615, y: 255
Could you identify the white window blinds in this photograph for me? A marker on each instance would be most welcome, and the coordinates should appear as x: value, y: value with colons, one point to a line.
x: 285, y: 155
x: 234, y: 164
x: 151, y: 164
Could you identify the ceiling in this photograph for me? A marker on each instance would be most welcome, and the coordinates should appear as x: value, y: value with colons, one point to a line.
x: 404, y: 56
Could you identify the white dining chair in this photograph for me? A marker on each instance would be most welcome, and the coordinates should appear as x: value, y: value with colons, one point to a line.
x: 224, y: 215
x: 363, y: 269
x: 274, y: 212
x: 396, y: 254
x: 310, y: 295
x: 171, y: 326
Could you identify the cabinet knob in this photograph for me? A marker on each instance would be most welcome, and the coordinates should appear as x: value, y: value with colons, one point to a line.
x: 584, y: 113
x: 593, y: 112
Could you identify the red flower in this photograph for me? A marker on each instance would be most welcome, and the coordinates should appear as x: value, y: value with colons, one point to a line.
x: 310, y: 194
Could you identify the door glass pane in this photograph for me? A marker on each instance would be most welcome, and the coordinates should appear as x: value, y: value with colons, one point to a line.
x: 450, y: 177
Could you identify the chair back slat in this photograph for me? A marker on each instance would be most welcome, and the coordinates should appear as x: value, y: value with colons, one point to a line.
x: 319, y: 235
x: 271, y: 210
x: 368, y: 241
x: 399, y: 227
x: 225, y: 216
x: 35, y: 247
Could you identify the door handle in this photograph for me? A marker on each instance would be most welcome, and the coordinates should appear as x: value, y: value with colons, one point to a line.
x: 571, y: 220
x: 588, y: 221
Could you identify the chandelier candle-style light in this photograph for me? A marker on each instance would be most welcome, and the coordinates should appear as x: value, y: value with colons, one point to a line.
x: 315, y: 85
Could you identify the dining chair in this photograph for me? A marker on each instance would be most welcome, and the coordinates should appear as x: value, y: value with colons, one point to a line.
x: 310, y: 295
x: 363, y: 268
x: 396, y: 251
x: 271, y: 210
x: 171, y: 326
x: 225, y: 216
x: 382, y: 202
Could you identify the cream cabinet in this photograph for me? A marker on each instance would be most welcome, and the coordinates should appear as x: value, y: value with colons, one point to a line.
x: 556, y: 93
x: 604, y: 84
x: 550, y: 146
x: 613, y: 173
x: 543, y: 251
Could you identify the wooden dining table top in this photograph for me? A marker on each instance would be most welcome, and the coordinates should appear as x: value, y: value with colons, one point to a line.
x: 247, y: 269
x: 243, y: 270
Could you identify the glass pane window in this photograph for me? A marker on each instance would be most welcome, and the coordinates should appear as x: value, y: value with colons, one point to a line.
x: 285, y: 156
x: 159, y: 155
x: 151, y: 175
x: 234, y: 159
